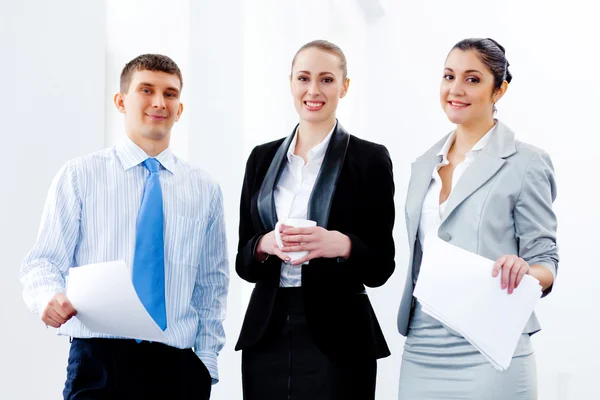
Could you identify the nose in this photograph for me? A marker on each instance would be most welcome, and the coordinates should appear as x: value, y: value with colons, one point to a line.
x: 313, y: 88
x: 158, y: 101
x: 456, y: 88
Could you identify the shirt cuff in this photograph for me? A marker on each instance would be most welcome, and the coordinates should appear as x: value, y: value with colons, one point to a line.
x: 209, y: 360
x: 42, y: 299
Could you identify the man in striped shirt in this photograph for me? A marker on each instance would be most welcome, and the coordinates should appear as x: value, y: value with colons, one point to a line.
x: 92, y: 214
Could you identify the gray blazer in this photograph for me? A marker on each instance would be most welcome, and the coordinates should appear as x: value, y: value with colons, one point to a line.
x: 502, y: 204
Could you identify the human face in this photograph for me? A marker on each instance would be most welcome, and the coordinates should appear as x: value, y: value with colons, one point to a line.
x: 151, y: 105
x: 467, y: 92
x: 317, y: 84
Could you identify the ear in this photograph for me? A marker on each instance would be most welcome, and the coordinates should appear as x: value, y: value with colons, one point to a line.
x: 179, y: 111
x: 345, y: 88
x: 500, y: 92
x: 119, y: 101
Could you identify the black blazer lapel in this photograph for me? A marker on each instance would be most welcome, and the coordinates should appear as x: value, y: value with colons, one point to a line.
x: 319, y: 204
x: 266, y: 201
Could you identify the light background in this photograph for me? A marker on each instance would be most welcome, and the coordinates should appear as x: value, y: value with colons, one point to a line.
x: 60, y: 63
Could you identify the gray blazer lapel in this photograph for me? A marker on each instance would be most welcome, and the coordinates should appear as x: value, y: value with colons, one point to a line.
x: 420, y: 179
x: 484, y: 167
x: 321, y: 196
x: 266, y: 200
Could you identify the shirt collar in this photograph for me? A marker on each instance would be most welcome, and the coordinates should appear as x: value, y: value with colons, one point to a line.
x: 130, y: 155
x: 316, y: 152
x: 446, y: 147
x: 477, y: 147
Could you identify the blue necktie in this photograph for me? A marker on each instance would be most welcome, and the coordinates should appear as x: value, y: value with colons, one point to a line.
x: 149, y: 257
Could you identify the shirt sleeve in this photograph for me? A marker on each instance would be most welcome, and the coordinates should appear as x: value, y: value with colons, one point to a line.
x: 44, y: 268
x: 535, y: 220
x: 210, y: 293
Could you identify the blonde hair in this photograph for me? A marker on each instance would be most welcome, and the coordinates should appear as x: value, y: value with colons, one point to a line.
x: 329, y: 48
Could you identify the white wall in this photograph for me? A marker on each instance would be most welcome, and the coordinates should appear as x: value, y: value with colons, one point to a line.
x: 235, y: 57
x: 215, y: 112
x: 135, y: 27
x: 52, y: 103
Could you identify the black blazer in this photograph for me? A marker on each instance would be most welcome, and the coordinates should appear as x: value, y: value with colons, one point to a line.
x: 353, y: 194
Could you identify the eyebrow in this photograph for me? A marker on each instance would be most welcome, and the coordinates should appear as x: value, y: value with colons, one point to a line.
x: 151, y: 85
x: 320, y: 74
x: 469, y: 71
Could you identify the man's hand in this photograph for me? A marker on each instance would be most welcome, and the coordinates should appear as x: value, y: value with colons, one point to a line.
x: 58, y: 311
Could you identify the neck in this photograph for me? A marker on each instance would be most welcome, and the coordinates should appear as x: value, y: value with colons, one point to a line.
x: 152, y: 147
x: 467, y: 135
x: 310, y: 134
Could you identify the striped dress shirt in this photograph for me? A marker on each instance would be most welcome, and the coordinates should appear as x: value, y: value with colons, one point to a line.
x: 90, y: 217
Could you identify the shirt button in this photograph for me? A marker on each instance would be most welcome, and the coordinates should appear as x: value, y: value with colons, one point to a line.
x: 445, y: 236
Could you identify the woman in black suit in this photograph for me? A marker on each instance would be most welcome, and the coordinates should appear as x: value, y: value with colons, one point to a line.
x: 310, y: 331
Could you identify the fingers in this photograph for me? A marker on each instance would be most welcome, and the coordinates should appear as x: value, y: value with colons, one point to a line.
x: 292, y: 248
x: 55, y: 316
x: 58, y: 311
x: 299, y: 231
x: 512, y: 282
x: 498, y: 265
x: 283, y: 227
x: 300, y: 247
x: 513, y: 270
x: 276, y: 251
x: 290, y: 244
x: 63, y: 306
x: 506, y: 269
x: 50, y: 322
x: 522, y: 272
x: 308, y: 257
x: 279, y: 253
x: 286, y: 237
x: 52, y: 318
x: 298, y: 242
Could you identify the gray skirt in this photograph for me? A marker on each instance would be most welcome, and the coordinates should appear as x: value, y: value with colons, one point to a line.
x: 438, y: 364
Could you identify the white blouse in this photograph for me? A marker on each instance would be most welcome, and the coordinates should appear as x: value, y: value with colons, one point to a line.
x: 432, y: 211
x: 292, y: 194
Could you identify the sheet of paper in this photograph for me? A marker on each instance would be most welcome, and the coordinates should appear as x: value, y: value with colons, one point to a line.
x: 457, y: 288
x: 106, y: 302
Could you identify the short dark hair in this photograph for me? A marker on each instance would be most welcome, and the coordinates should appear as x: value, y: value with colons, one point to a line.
x: 492, y: 55
x: 329, y: 48
x: 148, y: 62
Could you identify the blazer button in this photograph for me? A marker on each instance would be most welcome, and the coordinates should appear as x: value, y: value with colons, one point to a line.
x: 445, y: 237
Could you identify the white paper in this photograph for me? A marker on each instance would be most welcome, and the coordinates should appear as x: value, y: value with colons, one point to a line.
x: 457, y: 288
x: 106, y: 302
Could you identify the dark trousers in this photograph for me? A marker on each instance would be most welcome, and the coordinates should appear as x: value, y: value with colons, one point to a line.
x: 115, y: 369
x: 287, y: 365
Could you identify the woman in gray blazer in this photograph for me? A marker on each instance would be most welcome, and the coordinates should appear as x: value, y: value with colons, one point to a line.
x: 483, y: 190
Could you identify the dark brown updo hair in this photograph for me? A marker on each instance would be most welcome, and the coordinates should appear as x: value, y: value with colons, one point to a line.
x: 492, y: 55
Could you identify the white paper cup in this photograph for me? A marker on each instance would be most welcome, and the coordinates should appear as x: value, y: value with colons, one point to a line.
x: 296, y: 223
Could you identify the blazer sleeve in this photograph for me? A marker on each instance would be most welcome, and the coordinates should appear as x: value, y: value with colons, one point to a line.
x: 372, y: 254
x: 535, y: 221
x: 246, y: 266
